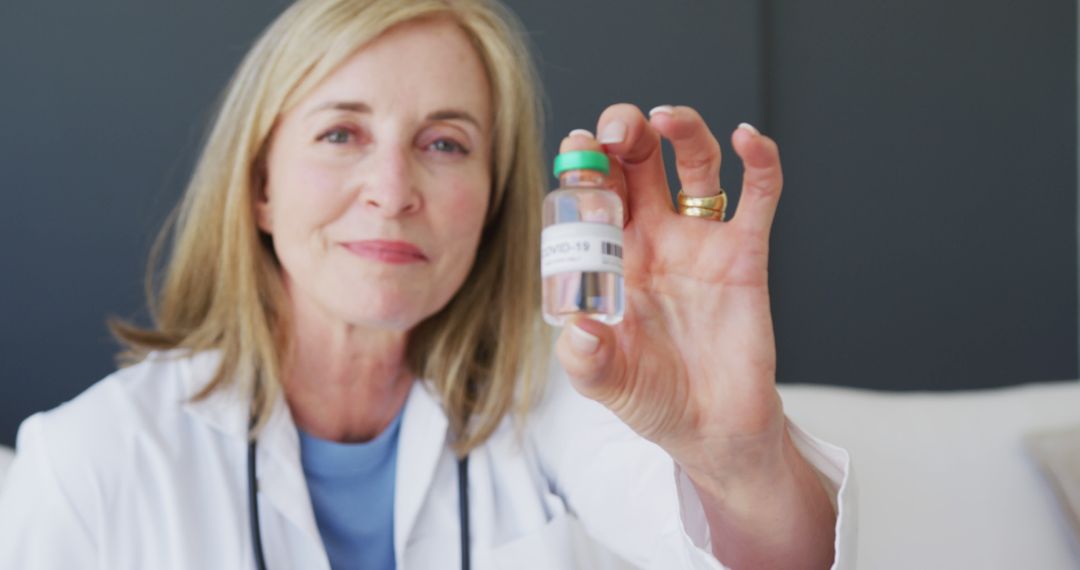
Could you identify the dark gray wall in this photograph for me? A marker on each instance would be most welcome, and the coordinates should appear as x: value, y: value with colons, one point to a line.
x: 927, y: 237
x: 103, y: 105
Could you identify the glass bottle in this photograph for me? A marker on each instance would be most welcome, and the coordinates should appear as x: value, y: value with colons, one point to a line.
x: 581, y: 245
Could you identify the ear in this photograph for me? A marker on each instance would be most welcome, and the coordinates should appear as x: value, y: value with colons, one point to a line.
x: 263, y: 211
x: 261, y: 189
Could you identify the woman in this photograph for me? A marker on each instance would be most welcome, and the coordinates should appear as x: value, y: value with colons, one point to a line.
x: 348, y: 329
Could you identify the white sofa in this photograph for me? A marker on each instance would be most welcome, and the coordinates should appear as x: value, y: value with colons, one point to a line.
x: 944, y: 479
x: 6, y: 456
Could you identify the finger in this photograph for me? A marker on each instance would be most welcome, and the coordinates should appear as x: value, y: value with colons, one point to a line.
x: 627, y: 135
x: 763, y: 180
x: 581, y: 139
x: 617, y: 179
x: 697, y: 153
x: 588, y: 352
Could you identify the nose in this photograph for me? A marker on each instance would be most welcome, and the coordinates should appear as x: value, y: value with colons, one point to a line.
x: 390, y: 188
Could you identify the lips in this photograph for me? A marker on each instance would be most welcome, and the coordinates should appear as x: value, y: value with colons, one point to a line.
x: 386, y: 251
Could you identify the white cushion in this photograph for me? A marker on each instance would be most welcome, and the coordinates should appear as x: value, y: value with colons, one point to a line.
x: 7, y: 455
x: 944, y: 479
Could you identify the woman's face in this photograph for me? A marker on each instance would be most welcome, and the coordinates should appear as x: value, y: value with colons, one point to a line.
x: 378, y: 181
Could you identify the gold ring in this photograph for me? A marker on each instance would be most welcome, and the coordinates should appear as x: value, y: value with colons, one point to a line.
x: 702, y: 213
x: 709, y: 207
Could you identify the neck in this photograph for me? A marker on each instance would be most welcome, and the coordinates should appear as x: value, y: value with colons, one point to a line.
x: 346, y: 383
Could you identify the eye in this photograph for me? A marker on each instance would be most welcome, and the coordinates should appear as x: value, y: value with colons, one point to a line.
x: 337, y: 135
x: 448, y: 146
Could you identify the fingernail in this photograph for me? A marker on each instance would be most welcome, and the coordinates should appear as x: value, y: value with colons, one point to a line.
x: 581, y: 133
x: 582, y: 342
x: 613, y: 132
x: 666, y: 109
x: 749, y: 127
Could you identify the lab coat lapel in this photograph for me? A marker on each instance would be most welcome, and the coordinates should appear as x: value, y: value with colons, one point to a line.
x: 423, y: 439
x: 421, y: 442
x: 279, y: 471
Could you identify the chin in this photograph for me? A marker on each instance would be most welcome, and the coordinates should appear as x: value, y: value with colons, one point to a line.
x: 386, y: 310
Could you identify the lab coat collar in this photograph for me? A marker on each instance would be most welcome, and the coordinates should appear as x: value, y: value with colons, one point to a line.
x: 224, y: 409
x: 280, y: 474
x: 422, y: 440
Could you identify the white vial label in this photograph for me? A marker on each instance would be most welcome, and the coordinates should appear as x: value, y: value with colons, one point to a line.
x: 581, y: 246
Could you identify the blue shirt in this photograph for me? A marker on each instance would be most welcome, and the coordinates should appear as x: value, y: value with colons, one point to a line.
x: 352, y: 491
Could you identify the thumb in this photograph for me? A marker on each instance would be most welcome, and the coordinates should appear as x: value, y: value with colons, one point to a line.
x: 588, y: 352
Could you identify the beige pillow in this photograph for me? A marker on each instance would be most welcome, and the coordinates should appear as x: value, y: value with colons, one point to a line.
x: 1058, y: 452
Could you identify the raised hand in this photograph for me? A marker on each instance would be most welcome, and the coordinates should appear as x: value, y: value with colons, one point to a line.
x: 693, y: 361
x: 692, y: 365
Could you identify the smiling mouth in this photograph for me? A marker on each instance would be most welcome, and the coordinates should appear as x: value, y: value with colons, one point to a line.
x: 386, y: 251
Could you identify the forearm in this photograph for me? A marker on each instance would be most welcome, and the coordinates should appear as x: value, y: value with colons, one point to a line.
x: 779, y: 516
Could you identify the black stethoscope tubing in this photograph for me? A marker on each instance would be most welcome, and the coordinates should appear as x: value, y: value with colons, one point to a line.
x: 253, y: 508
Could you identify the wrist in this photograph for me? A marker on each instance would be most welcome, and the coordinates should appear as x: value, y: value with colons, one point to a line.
x: 746, y: 470
x: 775, y: 513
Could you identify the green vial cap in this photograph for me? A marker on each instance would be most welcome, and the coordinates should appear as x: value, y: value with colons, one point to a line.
x: 582, y: 160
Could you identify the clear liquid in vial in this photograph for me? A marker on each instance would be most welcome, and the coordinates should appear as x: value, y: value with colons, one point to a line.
x: 596, y: 294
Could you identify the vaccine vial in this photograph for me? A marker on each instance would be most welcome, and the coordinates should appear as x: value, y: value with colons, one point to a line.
x: 581, y: 257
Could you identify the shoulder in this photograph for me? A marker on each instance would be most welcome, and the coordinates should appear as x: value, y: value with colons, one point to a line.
x: 561, y: 411
x: 131, y: 399
x: 117, y: 456
x: 571, y: 431
x: 135, y: 408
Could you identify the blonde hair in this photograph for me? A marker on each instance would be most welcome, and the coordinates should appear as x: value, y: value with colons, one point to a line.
x: 222, y: 287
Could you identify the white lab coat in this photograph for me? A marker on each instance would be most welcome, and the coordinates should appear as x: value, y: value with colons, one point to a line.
x: 132, y: 475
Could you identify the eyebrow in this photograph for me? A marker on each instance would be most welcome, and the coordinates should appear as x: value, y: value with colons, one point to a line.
x: 360, y: 107
x: 353, y: 106
x: 452, y: 114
